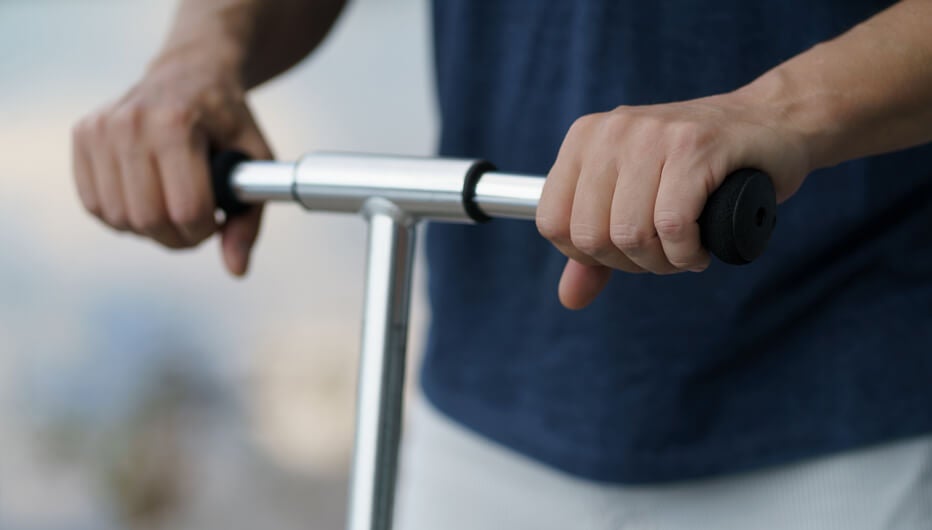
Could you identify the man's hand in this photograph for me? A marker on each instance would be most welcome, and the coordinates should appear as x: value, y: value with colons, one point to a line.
x: 141, y: 163
x: 628, y: 186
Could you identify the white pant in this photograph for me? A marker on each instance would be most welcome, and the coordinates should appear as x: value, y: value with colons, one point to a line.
x: 453, y: 479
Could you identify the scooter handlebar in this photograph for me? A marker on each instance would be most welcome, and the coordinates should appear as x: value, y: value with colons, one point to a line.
x: 735, y: 225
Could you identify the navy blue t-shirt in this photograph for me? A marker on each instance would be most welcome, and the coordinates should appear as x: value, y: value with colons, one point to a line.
x: 823, y: 344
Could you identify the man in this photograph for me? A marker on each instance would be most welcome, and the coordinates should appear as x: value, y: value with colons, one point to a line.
x: 791, y: 393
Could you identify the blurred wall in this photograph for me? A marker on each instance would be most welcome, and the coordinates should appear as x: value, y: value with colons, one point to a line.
x: 144, y: 388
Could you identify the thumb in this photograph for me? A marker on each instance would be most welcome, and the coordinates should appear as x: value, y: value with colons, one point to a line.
x: 580, y: 284
x: 238, y: 234
x: 237, y: 237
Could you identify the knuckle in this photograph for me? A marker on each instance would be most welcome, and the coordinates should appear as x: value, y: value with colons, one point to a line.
x: 127, y: 118
x: 116, y: 217
x: 93, y: 126
x: 79, y: 130
x: 583, y: 125
x: 187, y: 215
x: 92, y: 207
x: 173, y: 244
x: 623, y: 125
x: 618, y: 120
x: 167, y: 127
x: 172, y: 117
x: 685, y: 262
x: 149, y: 222
x: 670, y: 225
x: 590, y: 239
x: 628, y: 237
x: 554, y: 229
x: 689, y: 135
x: 681, y: 263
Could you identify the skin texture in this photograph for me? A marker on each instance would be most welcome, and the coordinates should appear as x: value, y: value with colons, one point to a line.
x: 140, y: 163
x: 628, y: 185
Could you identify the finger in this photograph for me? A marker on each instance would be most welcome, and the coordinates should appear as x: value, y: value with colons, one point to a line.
x: 238, y: 236
x: 591, y: 215
x: 555, y: 207
x: 145, y: 200
x: 239, y: 233
x: 681, y: 197
x: 83, y: 172
x: 250, y: 139
x: 580, y: 284
x: 107, y: 179
x: 632, y: 218
x: 182, y: 164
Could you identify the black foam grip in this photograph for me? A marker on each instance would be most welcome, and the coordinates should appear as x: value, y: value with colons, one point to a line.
x: 739, y: 217
x: 222, y: 165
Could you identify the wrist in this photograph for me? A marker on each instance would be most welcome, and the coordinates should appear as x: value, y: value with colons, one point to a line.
x: 213, y: 38
x: 220, y: 57
x: 801, y: 106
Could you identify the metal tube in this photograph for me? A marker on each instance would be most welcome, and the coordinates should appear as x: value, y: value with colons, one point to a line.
x: 422, y: 188
x: 381, y: 366
x: 507, y: 195
x: 262, y: 181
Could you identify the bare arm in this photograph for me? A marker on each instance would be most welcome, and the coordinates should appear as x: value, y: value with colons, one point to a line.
x: 260, y: 38
x: 866, y: 92
x: 140, y: 163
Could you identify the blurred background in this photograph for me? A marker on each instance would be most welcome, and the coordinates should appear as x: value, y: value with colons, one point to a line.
x: 146, y: 389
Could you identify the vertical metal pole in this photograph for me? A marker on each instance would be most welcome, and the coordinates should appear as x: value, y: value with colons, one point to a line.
x: 381, y: 366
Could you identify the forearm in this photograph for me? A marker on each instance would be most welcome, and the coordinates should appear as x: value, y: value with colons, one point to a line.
x: 254, y: 39
x: 866, y: 92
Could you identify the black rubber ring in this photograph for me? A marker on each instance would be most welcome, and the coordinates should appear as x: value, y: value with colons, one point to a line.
x: 469, y: 190
x: 222, y: 165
